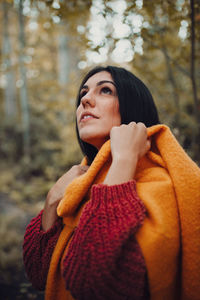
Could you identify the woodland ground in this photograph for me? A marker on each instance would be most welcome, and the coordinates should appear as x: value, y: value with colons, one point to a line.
x: 13, y: 281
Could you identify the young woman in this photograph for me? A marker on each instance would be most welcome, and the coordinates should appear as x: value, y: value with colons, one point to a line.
x: 102, y: 245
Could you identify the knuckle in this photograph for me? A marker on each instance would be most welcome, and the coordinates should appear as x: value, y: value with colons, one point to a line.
x: 140, y: 124
x: 142, y: 128
x: 123, y: 126
x: 132, y: 123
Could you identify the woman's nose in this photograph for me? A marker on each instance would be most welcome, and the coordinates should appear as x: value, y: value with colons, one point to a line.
x: 88, y: 99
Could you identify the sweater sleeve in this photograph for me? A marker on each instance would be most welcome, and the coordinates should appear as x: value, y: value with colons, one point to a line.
x: 104, y: 260
x: 38, y: 247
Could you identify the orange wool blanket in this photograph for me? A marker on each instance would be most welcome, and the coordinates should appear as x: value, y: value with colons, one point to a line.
x: 168, y: 182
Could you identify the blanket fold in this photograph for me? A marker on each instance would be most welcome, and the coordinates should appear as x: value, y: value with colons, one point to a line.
x: 168, y: 182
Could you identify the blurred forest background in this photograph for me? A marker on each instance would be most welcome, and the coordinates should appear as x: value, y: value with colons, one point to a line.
x: 46, y: 47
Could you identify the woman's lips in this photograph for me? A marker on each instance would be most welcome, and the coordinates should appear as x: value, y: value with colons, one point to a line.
x: 87, y: 118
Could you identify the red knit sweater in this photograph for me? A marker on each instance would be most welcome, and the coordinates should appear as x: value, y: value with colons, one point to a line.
x: 38, y: 247
x: 104, y: 260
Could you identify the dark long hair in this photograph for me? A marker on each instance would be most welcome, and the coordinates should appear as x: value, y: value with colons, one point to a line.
x: 135, y: 102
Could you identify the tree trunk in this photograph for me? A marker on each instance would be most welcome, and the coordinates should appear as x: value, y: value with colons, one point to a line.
x: 63, y: 60
x: 23, y: 89
x: 10, y: 106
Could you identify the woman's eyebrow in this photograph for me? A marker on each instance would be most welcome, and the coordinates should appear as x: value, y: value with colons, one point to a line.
x: 105, y: 81
x: 98, y: 83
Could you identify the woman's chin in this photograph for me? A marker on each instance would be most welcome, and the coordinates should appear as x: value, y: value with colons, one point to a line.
x: 97, y: 142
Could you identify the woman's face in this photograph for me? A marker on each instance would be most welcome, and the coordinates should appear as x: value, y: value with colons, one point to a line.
x: 98, y: 111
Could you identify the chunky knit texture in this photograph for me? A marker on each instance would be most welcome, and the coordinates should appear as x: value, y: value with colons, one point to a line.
x: 38, y: 247
x: 103, y: 260
x: 113, y: 247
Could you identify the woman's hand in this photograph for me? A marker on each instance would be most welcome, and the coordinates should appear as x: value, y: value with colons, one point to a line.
x: 128, y: 144
x: 56, y: 193
x: 129, y: 141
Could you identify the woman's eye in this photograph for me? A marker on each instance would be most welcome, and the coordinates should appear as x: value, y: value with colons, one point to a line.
x: 106, y: 90
x: 83, y: 94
